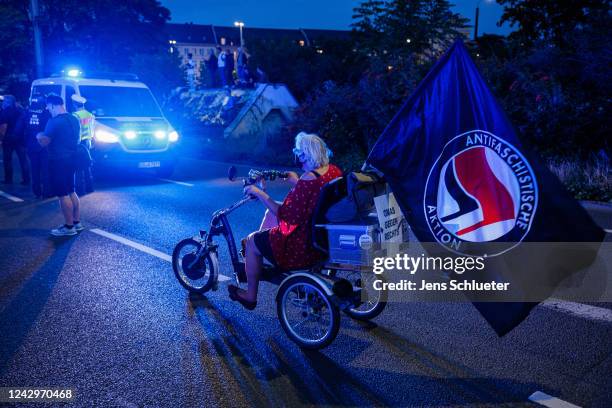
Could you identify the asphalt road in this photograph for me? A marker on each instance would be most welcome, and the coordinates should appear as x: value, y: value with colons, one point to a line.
x: 110, y: 321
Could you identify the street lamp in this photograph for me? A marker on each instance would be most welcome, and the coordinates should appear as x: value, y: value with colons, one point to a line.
x: 38, y: 47
x: 476, y: 18
x: 240, y: 24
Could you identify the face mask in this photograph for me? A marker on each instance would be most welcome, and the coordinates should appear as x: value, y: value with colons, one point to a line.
x: 299, y: 157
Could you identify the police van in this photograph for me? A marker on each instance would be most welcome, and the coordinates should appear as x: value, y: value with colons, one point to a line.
x: 130, y: 130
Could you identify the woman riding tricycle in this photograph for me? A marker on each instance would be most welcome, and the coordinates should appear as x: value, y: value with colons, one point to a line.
x: 311, y: 290
x: 284, y: 237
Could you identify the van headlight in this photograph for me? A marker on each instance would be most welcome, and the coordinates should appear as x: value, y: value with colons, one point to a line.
x: 105, y: 136
x: 173, y: 136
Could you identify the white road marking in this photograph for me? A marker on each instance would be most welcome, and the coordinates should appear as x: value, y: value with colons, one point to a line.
x: 133, y: 244
x: 548, y: 401
x: 11, y: 197
x: 181, y: 183
x: 141, y: 247
x: 609, y: 231
x: 580, y: 310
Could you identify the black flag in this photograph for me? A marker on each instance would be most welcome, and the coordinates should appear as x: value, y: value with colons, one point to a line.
x: 463, y: 179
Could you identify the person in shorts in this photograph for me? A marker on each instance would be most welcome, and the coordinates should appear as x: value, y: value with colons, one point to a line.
x: 61, y: 137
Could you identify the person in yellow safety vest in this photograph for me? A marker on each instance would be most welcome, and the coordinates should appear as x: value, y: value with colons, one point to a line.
x: 84, y: 178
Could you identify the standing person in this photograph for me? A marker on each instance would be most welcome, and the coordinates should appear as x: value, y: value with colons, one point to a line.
x: 221, y: 60
x: 242, y: 66
x: 211, y: 69
x: 190, y: 70
x: 61, y: 136
x: 84, y: 178
x: 11, y: 130
x: 35, y: 121
x: 229, y: 67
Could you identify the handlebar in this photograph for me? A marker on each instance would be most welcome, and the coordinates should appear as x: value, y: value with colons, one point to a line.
x: 255, y: 176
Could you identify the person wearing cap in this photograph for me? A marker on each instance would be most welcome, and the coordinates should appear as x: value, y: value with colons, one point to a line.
x: 11, y: 134
x: 35, y: 120
x: 84, y: 178
x: 61, y: 137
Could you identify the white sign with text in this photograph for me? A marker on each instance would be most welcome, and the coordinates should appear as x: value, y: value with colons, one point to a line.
x: 391, y: 219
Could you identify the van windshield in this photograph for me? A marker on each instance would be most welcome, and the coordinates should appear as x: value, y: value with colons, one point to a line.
x: 116, y: 101
x: 41, y: 91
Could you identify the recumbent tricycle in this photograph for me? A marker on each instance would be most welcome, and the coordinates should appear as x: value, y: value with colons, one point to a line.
x: 308, y: 302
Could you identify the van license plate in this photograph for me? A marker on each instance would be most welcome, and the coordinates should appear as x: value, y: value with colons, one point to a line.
x: 149, y: 165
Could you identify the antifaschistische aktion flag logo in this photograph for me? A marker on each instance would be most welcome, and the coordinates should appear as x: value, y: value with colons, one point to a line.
x: 468, y: 186
x: 480, y: 189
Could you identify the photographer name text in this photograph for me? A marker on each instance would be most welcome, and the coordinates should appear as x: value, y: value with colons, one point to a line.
x: 452, y: 285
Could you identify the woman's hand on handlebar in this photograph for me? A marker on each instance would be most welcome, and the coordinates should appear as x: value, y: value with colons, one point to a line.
x: 253, y: 191
x: 292, y: 177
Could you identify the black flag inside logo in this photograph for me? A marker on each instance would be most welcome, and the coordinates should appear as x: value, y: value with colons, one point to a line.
x: 463, y: 179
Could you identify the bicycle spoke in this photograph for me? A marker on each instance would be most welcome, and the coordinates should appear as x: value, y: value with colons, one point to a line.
x: 300, y: 322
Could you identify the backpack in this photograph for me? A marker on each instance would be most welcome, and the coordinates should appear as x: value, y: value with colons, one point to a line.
x: 357, y: 191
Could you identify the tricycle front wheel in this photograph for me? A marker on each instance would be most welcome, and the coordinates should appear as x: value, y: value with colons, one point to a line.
x: 196, y: 268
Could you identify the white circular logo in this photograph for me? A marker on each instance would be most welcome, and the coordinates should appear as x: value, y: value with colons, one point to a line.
x: 365, y: 241
x: 480, y: 189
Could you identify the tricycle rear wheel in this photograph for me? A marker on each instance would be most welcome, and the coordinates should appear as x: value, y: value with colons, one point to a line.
x: 373, y: 301
x: 306, y: 313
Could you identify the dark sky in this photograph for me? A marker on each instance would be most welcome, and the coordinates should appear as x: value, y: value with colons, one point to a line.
x: 332, y: 14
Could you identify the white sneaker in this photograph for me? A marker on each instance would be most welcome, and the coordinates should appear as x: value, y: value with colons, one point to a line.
x: 63, y: 231
x: 78, y: 226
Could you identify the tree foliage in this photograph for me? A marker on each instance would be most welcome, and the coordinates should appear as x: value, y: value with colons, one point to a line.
x: 552, y: 77
x: 350, y: 114
x: 304, y: 68
x: 16, y: 39
x: 398, y: 29
x: 96, y: 35
x: 557, y: 95
x: 102, y: 34
x: 161, y: 71
x: 551, y: 21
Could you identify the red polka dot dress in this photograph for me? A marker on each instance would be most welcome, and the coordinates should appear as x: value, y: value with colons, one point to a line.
x: 291, y: 241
